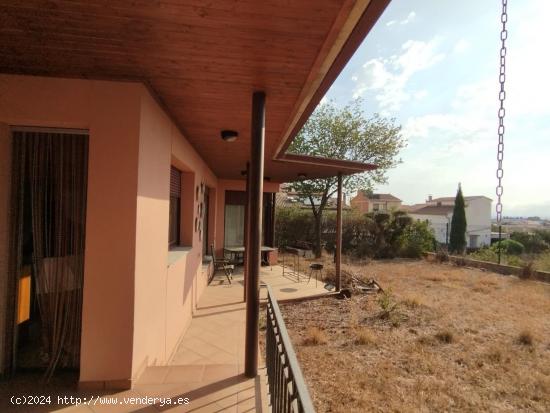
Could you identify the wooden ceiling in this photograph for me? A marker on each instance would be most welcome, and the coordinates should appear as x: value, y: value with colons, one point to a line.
x: 202, y: 59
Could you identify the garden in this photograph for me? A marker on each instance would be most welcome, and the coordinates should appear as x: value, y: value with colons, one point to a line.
x: 440, y: 337
x: 523, y: 249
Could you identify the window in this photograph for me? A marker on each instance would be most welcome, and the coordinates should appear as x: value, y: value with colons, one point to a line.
x: 174, y: 219
x: 376, y: 207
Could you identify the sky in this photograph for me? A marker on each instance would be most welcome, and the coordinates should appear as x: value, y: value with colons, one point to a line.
x: 433, y: 66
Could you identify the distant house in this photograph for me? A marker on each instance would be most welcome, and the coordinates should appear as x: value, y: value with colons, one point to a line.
x: 365, y: 202
x: 439, y: 213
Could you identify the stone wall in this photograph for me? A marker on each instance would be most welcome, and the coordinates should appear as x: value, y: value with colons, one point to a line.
x: 502, y: 269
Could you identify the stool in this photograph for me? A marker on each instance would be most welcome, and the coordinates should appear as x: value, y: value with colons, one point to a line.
x: 317, y: 269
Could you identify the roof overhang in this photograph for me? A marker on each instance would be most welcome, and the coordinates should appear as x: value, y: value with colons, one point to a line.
x: 311, y: 167
x: 202, y: 62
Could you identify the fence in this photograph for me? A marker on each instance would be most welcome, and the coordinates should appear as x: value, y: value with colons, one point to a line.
x: 287, y: 389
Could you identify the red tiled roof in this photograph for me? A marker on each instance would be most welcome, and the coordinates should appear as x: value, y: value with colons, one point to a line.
x: 381, y: 197
x: 434, y: 210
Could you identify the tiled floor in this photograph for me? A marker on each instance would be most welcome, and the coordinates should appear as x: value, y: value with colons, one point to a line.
x: 286, y: 285
x: 207, y: 367
x: 208, y: 363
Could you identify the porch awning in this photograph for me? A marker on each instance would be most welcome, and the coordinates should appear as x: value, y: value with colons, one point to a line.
x: 202, y: 61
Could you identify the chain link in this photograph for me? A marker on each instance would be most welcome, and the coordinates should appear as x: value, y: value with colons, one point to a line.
x: 501, y: 110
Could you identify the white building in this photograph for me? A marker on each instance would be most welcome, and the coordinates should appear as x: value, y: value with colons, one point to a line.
x: 439, y: 213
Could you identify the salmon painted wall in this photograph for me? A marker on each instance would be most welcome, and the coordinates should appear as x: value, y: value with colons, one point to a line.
x: 139, y: 297
x: 110, y: 111
x: 231, y: 185
x: 167, y: 283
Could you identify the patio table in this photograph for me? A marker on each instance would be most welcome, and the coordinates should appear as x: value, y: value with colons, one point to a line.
x: 237, y: 252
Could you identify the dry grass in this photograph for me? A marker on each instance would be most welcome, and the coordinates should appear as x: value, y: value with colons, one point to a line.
x: 413, y: 301
x: 314, y: 337
x: 445, y: 336
x: 465, y: 341
x: 364, y: 336
x: 526, y: 338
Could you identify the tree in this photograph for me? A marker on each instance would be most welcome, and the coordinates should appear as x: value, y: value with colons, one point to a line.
x: 534, y: 243
x: 457, y: 242
x: 345, y: 133
x: 416, y: 239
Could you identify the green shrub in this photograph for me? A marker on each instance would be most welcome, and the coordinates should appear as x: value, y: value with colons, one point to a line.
x: 508, y: 247
x: 417, y: 238
x: 485, y: 254
x: 542, y: 262
x: 534, y: 243
x: 514, y: 260
x: 293, y: 224
x: 380, y: 235
x: 387, y: 304
x: 374, y: 235
x: 545, y: 235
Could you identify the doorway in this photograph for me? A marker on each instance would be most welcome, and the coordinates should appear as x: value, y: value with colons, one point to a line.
x: 234, y: 214
x: 47, y: 235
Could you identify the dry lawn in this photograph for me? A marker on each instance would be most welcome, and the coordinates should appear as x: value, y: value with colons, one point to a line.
x: 446, y: 338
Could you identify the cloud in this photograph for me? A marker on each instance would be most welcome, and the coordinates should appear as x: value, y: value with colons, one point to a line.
x: 472, y: 118
x: 456, y: 138
x: 461, y: 46
x: 421, y: 94
x: 410, y: 17
x: 388, y: 77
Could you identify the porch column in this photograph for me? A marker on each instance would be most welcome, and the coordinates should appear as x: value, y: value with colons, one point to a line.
x: 273, y: 200
x: 246, y: 229
x: 254, y: 240
x: 339, y: 234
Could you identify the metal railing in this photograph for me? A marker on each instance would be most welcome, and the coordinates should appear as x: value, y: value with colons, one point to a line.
x: 287, y: 389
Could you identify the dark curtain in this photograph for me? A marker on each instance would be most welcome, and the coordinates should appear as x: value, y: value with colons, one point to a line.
x: 50, y: 173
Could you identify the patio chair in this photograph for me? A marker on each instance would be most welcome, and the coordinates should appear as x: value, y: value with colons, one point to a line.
x: 222, y: 264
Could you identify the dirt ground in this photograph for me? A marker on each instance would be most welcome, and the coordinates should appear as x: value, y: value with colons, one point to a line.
x: 442, y: 338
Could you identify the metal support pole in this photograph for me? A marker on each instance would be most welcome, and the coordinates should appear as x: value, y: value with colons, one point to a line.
x: 499, y: 241
x: 246, y: 230
x: 273, y: 202
x: 339, y: 234
x: 256, y: 172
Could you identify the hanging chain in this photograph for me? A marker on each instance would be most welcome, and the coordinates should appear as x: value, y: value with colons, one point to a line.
x: 501, y: 111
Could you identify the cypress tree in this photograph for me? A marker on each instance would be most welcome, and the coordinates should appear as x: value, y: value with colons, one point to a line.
x: 457, y: 242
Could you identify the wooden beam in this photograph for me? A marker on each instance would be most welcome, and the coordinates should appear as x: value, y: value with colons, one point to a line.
x: 256, y: 181
x: 339, y: 234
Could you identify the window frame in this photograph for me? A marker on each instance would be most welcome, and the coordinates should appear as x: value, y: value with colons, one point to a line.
x: 174, y: 202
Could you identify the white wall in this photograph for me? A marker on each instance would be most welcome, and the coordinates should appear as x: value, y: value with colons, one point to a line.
x: 478, y: 219
x: 438, y: 223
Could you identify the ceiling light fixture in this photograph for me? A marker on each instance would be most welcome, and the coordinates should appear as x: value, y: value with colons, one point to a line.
x: 229, y: 135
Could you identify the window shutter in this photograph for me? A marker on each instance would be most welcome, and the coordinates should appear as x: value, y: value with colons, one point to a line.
x: 175, y: 182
